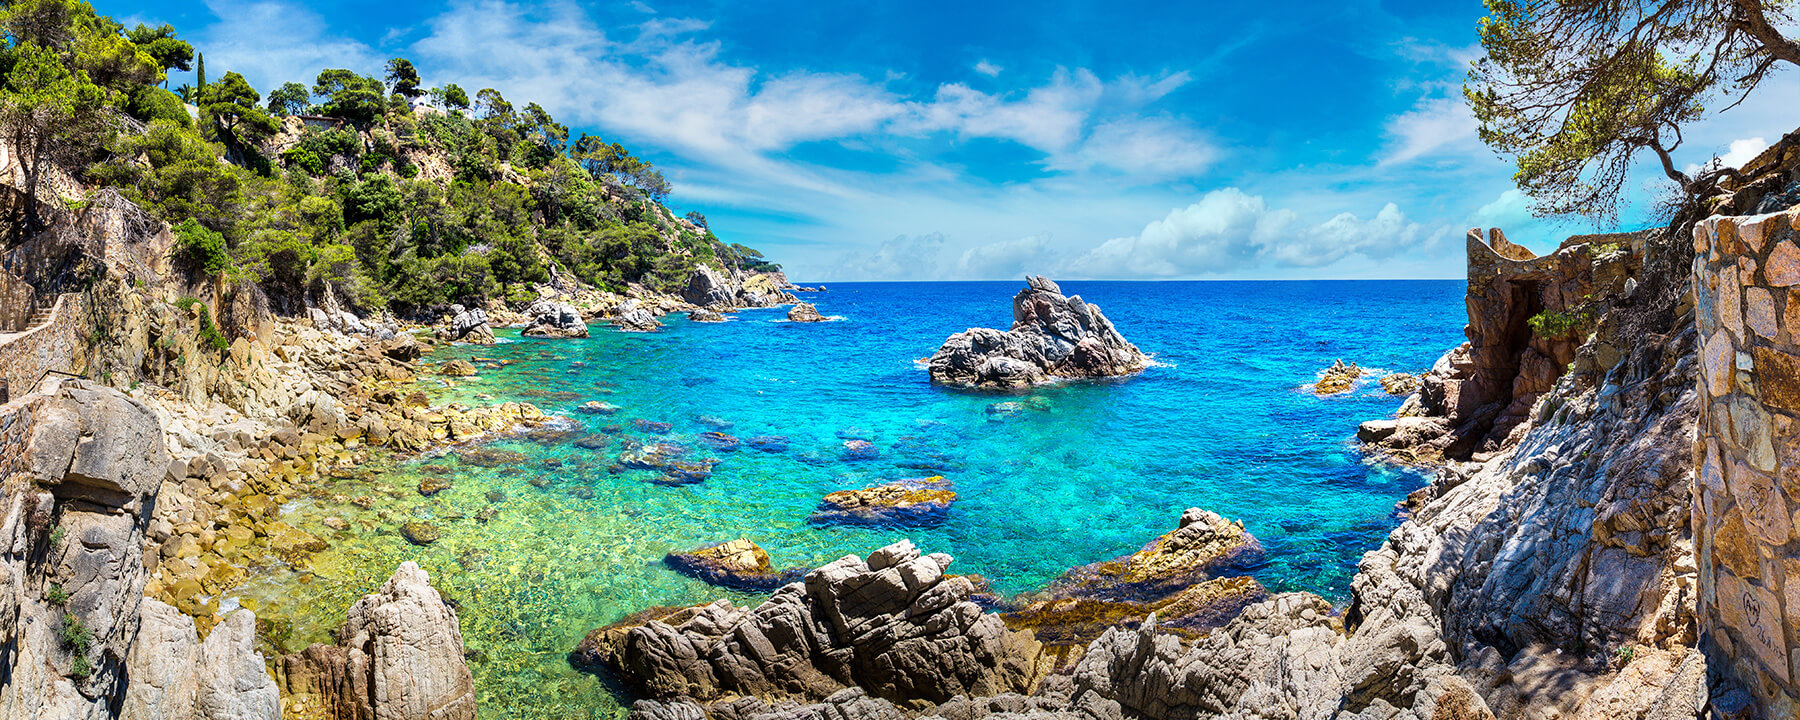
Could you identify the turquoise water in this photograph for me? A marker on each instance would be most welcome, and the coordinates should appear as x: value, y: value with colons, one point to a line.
x: 1075, y: 473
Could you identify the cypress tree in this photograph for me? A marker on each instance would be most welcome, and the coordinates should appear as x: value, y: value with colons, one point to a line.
x: 200, y: 73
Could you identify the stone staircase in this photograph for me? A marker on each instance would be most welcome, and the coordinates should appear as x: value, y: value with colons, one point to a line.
x: 39, y: 318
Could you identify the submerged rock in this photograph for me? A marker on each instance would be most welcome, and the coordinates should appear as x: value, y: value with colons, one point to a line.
x: 433, y: 485
x: 719, y: 441
x: 768, y: 443
x: 420, y: 533
x: 554, y: 320
x: 400, y: 656
x: 457, y: 368
x: 1052, y: 337
x: 596, y: 407
x: 911, y: 501
x: 1337, y: 378
x: 651, y: 426
x: 738, y: 564
x: 805, y: 312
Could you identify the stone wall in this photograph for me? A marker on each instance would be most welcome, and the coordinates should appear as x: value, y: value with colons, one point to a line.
x: 1747, y: 285
x: 60, y: 344
x: 18, y: 300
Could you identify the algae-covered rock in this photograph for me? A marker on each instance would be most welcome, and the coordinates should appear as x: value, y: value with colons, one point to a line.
x: 738, y: 564
x: 1400, y: 383
x: 1337, y: 378
x: 420, y: 533
x: 910, y: 501
x: 1204, y: 546
x: 433, y: 485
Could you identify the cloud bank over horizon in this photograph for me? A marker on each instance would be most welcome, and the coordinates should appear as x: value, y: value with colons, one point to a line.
x: 878, y: 142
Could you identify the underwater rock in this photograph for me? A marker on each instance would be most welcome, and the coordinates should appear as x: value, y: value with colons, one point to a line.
x: 1337, y: 378
x: 715, y: 422
x: 1204, y: 546
x: 420, y: 533
x: 457, y: 368
x: 489, y: 457
x: 495, y: 496
x: 685, y: 472
x: 894, y: 625
x: 400, y: 656
x: 595, y: 441
x: 860, y: 450
x: 719, y: 441
x: 651, y: 426
x: 804, y: 313
x: 703, y: 315
x: 1052, y: 337
x: 768, y: 443
x: 910, y: 501
x: 554, y: 320
x: 433, y: 485
x: 595, y: 407
x: 738, y: 564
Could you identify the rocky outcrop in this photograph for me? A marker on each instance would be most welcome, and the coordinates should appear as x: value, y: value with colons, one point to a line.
x: 1337, y: 379
x: 709, y: 289
x: 175, y: 676
x: 80, y: 469
x: 400, y: 656
x: 632, y: 317
x: 738, y: 564
x: 467, y: 325
x: 705, y: 316
x: 806, y: 313
x: 346, y: 322
x: 1205, y: 545
x: 905, y: 502
x: 1052, y: 337
x: 1527, y: 317
x: 554, y: 320
x: 893, y: 626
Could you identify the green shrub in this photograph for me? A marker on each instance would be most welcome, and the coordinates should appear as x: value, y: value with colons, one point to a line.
x: 56, y: 537
x: 75, y: 635
x: 208, y: 331
x: 1552, y: 324
x: 151, y: 103
x: 80, y: 669
x: 55, y: 595
x: 304, y: 159
x: 202, y: 247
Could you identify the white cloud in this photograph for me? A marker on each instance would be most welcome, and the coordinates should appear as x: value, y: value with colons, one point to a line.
x: 643, y: 7
x: 271, y: 43
x: 1431, y: 126
x: 987, y: 68
x: 1145, y: 147
x: 1008, y: 259
x: 902, y: 257
x: 1229, y: 231
x: 1740, y: 152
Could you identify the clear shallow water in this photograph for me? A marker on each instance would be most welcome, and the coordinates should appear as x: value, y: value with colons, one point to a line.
x: 1223, y: 422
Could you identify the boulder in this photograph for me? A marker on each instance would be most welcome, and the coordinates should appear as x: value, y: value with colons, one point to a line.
x: 709, y: 289
x: 705, y: 316
x: 404, y: 348
x: 1205, y: 545
x: 554, y: 320
x: 632, y: 317
x: 738, y: 564
x: 400, y: 656
x: 1052, y: 337
x: 894, y: 626
x: 804, y: 312
x: 420, y: 533
x: 1400, y: 383
x: 457, y: 368
x: 597, y: 407
x: 175, y: 676
x: 911, y: 501
x: 467, y: 325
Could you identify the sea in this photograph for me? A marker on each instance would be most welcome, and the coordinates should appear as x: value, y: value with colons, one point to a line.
x: 1047, y: 479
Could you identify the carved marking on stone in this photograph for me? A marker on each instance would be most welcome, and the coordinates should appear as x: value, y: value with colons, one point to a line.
x: 1755, y: 613
x: 1764, y: 508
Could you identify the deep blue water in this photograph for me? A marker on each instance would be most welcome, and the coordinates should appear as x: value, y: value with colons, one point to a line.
x: 1224, y: 421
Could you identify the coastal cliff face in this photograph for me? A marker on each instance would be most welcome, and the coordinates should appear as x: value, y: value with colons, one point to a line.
x: 1746, y: 271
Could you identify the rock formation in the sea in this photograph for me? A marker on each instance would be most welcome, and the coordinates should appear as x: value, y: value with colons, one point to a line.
x: 175, y: 676
x: 738, y: 564
x: 469, y: 325
x: 633, y: 317
x: 457, y: 368
x: 554, y: 320
x: 893, y: 626
x: 705, y: 316
x: 909, y: 501
x: 804, y: 312
x: 712, y: 290
x: 1399, y: 383
x: 399, y: 655
x: 1337, y: 378
x: 1528, y: 315
x: 1051, y: 337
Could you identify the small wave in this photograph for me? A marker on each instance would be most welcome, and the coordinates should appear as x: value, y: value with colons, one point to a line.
x: 1153, y: 361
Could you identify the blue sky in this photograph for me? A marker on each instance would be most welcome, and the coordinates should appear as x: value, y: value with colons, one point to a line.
x: 985, y: 140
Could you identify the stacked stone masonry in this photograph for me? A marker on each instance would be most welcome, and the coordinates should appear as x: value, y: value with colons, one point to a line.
x: 1747, y: 492
x: 55, y: 345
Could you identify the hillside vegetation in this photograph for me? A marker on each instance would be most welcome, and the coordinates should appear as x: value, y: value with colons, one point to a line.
x: 379, y: 192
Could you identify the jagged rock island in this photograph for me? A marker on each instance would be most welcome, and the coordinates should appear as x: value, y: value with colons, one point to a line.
x: 1052, y: 338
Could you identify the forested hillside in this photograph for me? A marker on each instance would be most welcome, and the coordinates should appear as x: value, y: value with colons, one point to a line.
x: 381, y: 192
